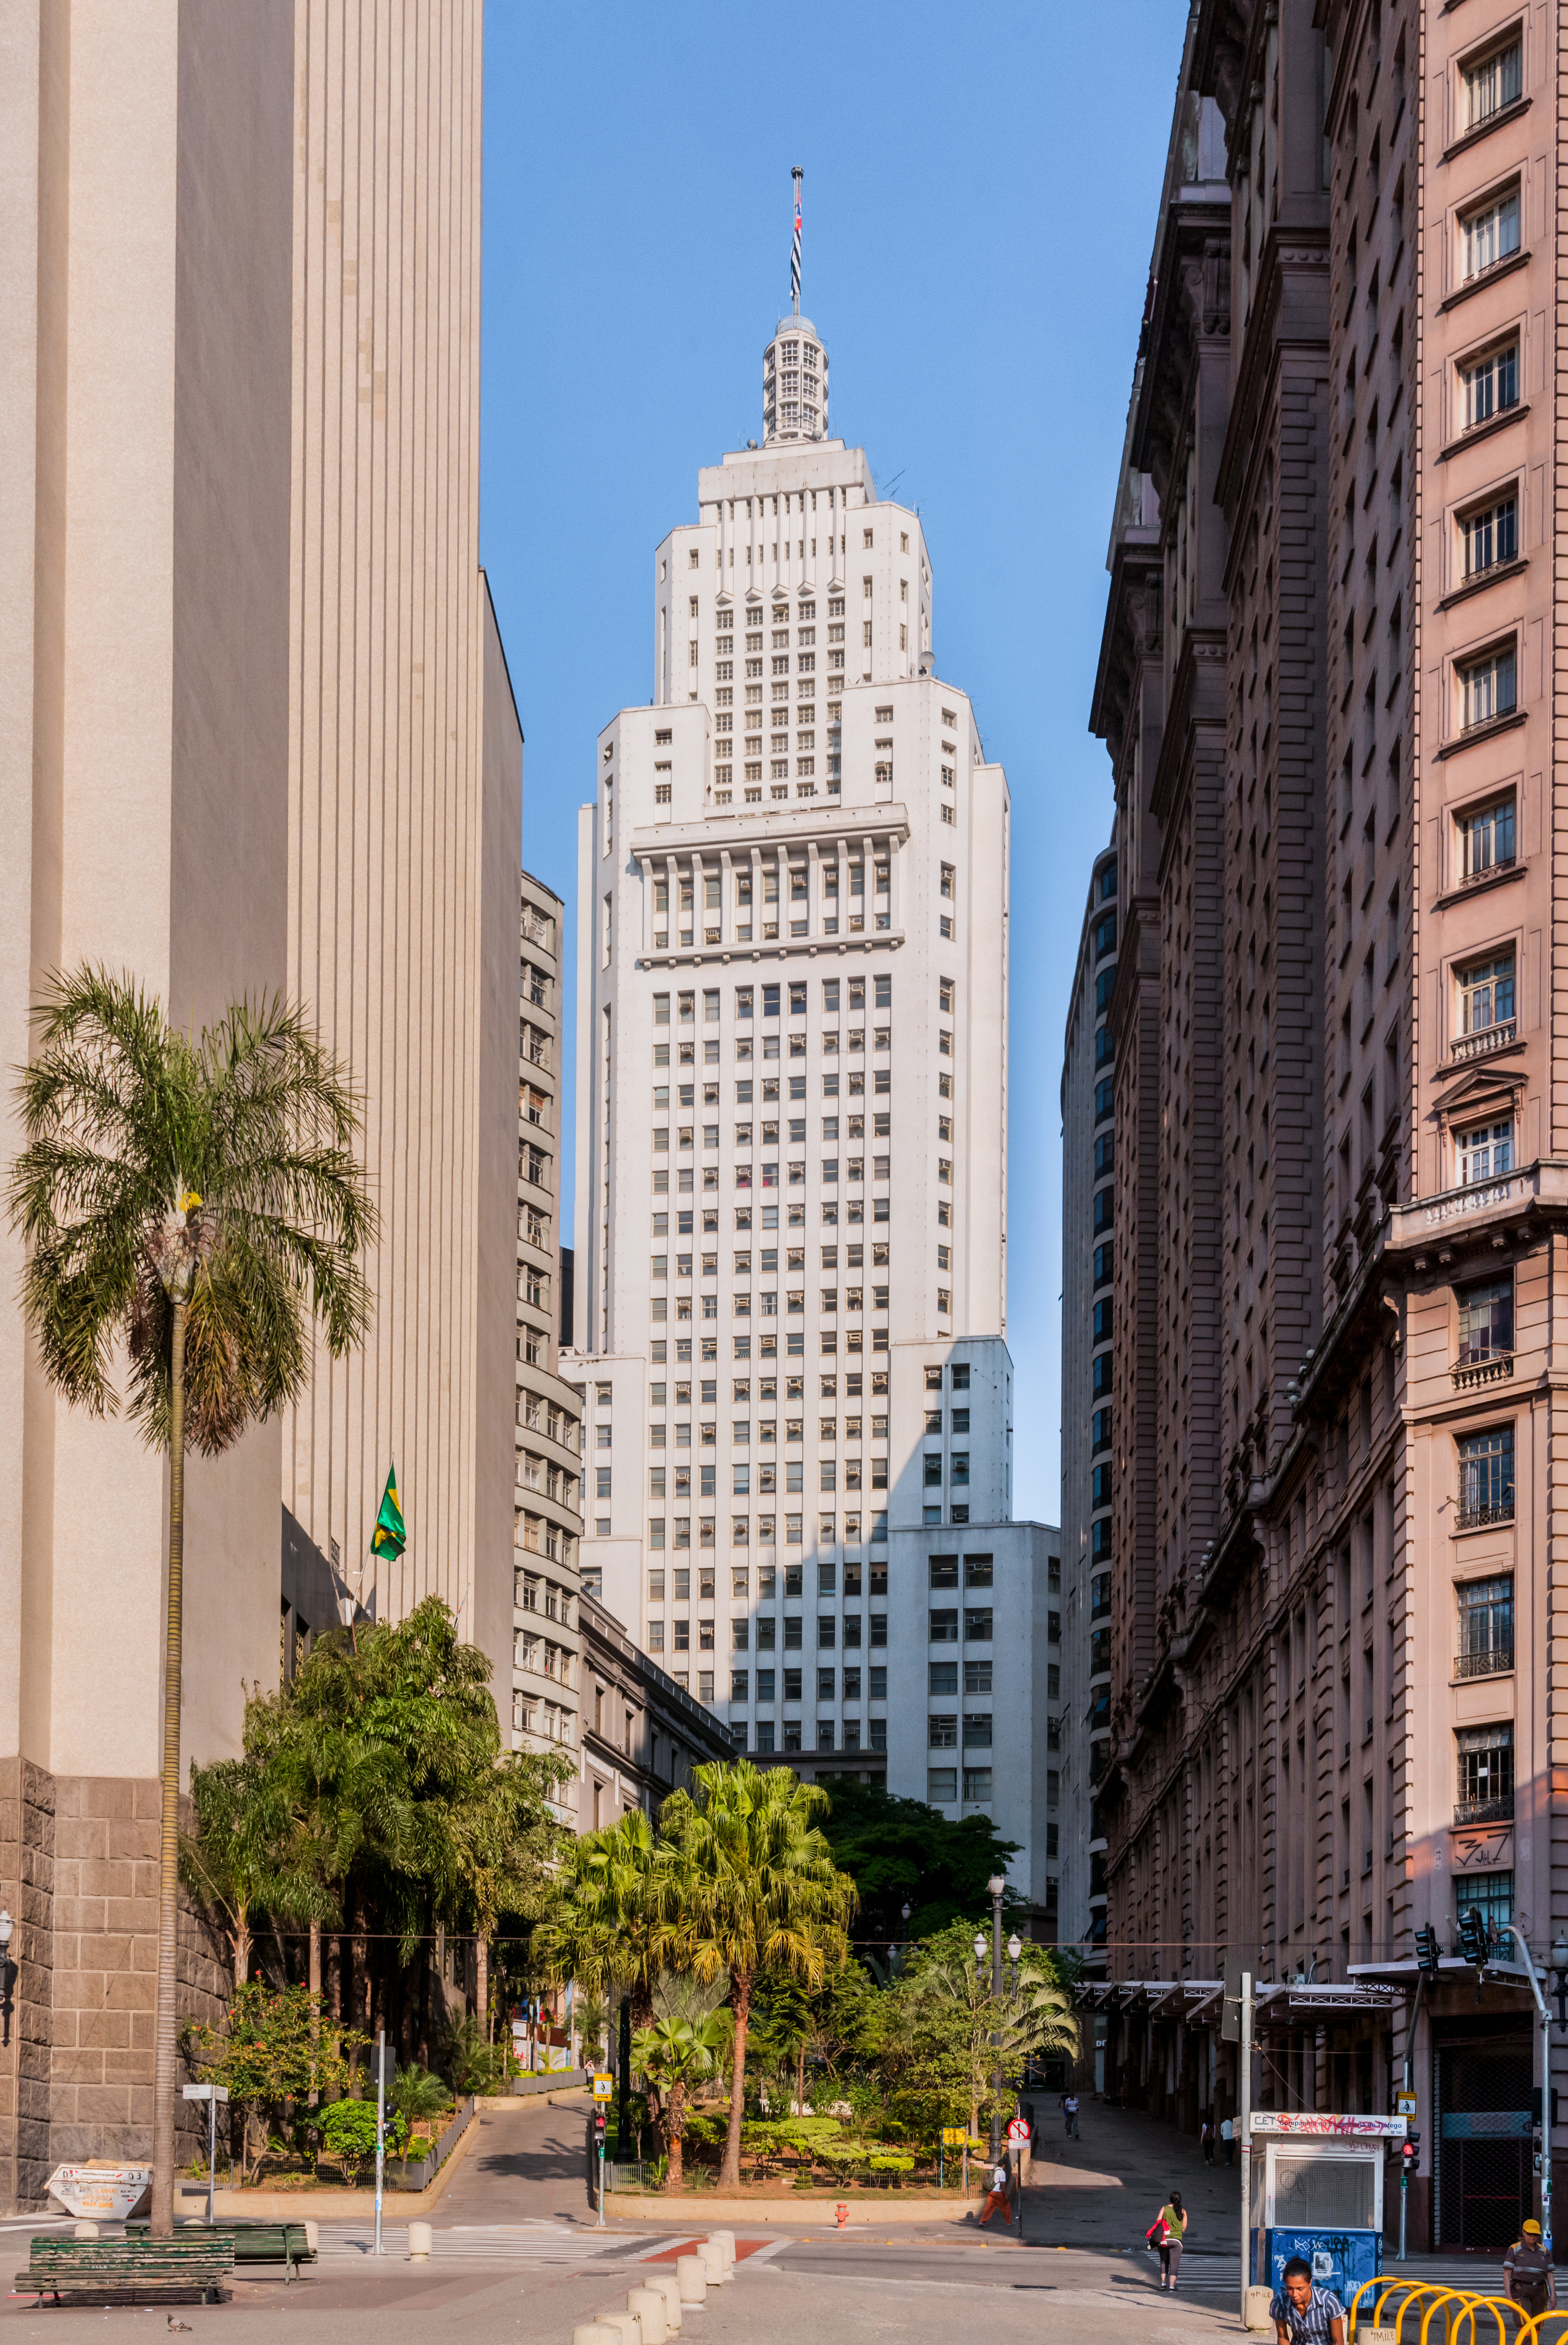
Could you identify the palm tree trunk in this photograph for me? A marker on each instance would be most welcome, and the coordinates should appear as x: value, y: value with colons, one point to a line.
x: 314, y: 1983
x: 482, y: 1982
x: 730, y: 2172
x: 162, y: 2215
x: 674, y: 2128
x: 241, y: 1946
x: 800, y: 2078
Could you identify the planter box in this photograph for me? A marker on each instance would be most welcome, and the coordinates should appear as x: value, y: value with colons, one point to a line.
x: 402, y: 2176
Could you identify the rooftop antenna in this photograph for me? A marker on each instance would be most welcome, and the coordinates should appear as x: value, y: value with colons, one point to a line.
x: 798, y: 175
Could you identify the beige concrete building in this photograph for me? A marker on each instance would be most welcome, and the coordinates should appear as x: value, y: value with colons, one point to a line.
x: 255, y: 733
x: 1328, y: 687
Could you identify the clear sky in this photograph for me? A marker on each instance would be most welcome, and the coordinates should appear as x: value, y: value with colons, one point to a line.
x: 979, y: 208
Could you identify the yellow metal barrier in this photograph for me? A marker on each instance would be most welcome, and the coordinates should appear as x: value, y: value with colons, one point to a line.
x: 1532, y: 2329
x: 1429, y: 2300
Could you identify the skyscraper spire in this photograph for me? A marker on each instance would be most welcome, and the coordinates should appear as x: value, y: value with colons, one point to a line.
x: 798, y: 175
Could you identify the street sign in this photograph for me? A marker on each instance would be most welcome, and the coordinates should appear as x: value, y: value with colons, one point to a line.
x: 1405, y: 2105
x: 1018, y: 2129
x: 206, y: 2092
x: 953, y: 2137
x: 603, y: 2087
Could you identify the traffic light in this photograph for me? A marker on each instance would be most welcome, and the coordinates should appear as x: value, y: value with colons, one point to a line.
x: 1409, y: 2154
x: 1426, y: 1951
x: 599, y: 2131
x: 1472, y: 1936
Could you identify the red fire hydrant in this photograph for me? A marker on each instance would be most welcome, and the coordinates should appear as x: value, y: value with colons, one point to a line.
x: 842, y: 2211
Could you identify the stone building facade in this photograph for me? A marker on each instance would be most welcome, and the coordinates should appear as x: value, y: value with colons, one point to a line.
x: 256, y: 737
x: 1326, y: 687
x: 1089, y: 1339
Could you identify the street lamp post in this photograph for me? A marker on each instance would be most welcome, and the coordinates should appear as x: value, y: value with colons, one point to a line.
x: 996, y: 1884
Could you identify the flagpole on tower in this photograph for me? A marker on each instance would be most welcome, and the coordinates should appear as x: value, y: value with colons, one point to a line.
x: 797, y: 174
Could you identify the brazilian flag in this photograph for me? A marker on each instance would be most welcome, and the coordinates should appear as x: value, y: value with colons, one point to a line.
x: 389, y: 1537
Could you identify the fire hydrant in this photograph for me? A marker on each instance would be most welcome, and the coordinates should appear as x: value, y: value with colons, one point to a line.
x: 842, y: 2211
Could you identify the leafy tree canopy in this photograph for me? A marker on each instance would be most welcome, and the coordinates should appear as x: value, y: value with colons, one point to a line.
x: 900, y: 1852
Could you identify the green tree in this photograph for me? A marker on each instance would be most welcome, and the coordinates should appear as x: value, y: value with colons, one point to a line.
x: 348, y: 2134
x: 604, y: 1923
x: 237, y: 1861
x: 950, y: 2034
x: 504, y: 1840
x: 900, y: 1852
x: 749, y: 1885
x: 674, y: 2056
x: 276, y: 2041
x: 201, y: 1199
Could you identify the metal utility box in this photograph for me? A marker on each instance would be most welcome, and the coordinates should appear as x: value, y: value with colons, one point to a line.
x: 1317, y: 2192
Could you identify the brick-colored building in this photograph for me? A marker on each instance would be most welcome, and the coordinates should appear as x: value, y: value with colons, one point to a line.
x: 1326, y: 685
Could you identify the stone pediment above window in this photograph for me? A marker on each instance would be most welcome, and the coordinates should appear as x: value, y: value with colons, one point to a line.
x: 1480, y: 1093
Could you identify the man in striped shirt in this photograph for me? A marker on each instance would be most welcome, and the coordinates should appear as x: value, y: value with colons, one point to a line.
x: 1304, y: 2314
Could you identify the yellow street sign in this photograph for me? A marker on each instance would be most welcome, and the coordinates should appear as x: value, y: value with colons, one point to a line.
x: 603, y: 2087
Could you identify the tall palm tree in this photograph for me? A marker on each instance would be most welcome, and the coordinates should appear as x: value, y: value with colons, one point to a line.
x: 751, y: 1885
x: 605, y: 1924
x: 201, y: 1199
x: 674, y: 2054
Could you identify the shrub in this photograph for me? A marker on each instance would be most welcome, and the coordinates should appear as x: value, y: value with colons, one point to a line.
x: 348, y: 2132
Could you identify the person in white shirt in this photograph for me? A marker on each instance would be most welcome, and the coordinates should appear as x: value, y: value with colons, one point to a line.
x: 997, y: 2196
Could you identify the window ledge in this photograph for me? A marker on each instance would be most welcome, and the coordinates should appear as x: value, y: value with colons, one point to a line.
x: 1487, y: 732
x: 1479, y: 431
x: 1484, y: 129
x: 1493, y: 577
x: 1499, y: 877
x: 1487, y: 276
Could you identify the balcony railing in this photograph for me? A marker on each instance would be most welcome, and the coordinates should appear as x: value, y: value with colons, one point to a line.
x: 1490, y: 1663
x: 1487, y: 1038
x: 1477, y: 1517
x: 1495, y: 1371
x: 1485, y: 1811
x: 1487, y: 871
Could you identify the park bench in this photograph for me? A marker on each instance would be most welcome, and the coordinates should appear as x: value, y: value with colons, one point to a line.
x: 138, y: 2268
x: 255, y: 2240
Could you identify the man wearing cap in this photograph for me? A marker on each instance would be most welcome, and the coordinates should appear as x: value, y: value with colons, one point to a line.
x: 1527, y: 2272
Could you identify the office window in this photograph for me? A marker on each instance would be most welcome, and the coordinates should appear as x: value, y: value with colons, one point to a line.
x: 1485, y: 1626
x: 1486, y: 993
x: 942, y: 1677
x: 1493, y: 82
x: 1489, y: 235
x: 1488, y: 687
x: 944, y: 1626
x: 941, y: 1730
x: 1484, y: 1153
x: 1486, y: 1477
x: 1485, y: 1792
x: 1485, y: 1322
x: 976, y: 1782
x: 1489, y: 384
x: 941, y: 1782
x: 1489, y: 534
x: 1492, y: 1895
x: 1487, y: 837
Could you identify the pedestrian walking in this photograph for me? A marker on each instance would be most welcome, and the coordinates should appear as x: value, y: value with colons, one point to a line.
x: 1207, y: 2139
x: 1070, y: 2115
x: 1169, y: 2233
x: 1527, y: 2272
x: 1227, y: 2135
x: 1303, y: 2313
x: 997, y: 2196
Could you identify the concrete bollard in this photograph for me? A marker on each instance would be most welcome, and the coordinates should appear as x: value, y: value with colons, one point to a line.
x: 666, y: 2284
x: 420, y: 2243
x: 715, y: 2271
x: 313, y: 2235
x: 628, y: 2329
x: 726, y: 2239
x: 1258, y: 2302
x: 594, y: 2332
x: 86, y: 2230
x: 692, y: 2279
x: 648, y: 2304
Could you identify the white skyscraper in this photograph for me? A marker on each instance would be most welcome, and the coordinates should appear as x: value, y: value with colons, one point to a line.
x: 790, y: 1234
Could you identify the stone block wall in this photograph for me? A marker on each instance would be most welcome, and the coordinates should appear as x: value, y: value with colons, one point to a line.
x: 77, y: 2077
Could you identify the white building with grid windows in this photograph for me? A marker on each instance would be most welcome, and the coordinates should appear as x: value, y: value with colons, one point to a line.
x: 791, y: 1271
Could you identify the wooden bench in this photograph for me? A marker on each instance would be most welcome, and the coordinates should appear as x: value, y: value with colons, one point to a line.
x: 139, y: 2268
x: 255, y: 2240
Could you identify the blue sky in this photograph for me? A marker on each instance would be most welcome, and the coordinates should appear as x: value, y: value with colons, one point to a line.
x: 981, y: 194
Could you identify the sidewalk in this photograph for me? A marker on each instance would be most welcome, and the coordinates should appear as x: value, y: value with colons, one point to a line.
x: 1104, y: 2189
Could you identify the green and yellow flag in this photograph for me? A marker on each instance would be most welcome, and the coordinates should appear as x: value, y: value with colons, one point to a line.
x: 389, y: 1537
